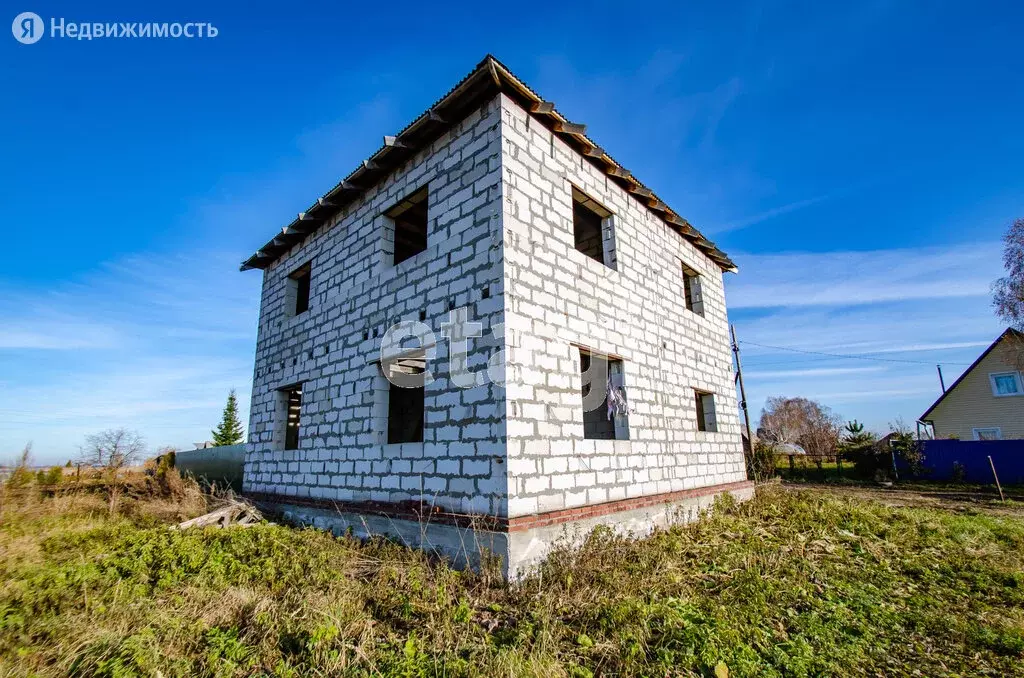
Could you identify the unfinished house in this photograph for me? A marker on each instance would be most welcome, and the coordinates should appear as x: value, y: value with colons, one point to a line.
x: 491, y: 335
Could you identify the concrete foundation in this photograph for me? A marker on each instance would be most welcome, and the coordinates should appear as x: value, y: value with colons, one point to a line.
x: 528, y: 546
x: 521, y: 544
x: 463, y: 545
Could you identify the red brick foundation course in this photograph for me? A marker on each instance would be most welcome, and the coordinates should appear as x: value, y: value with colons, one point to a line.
x: 417, y: 512
x: 597, y: 510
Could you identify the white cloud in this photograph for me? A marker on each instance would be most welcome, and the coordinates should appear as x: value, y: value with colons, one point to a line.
x: 788, y: 208
x: 875, y: 397
x: 151, y: 385
x: 900, y: 311
x: 855, y: 278
x: 177, y: 332
x: 813, y: 372
x: 59, y: 335
x: 892, y: 331
x: 153, y: 341
x: 912, y: 348
x: 875, y: 394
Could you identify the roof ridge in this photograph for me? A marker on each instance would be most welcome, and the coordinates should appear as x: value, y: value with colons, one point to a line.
x: 1002, y: 335
x: 490, y: 76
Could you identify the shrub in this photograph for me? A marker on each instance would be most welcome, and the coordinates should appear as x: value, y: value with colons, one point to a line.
x: 906, y: 448
x: 21, y: 475
x: 868, y: 462
x: 858, y: 447
x: 51, y: 476
x: 54, y: 476
x: 168, y: 480
x: 761, y: 462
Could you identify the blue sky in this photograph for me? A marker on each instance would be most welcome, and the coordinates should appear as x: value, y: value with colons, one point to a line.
x: 858, y: 162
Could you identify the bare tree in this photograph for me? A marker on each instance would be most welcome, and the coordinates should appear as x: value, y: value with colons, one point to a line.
x: 113, y: 449
x: 811, y: 425
x: 821, y: 435
x: 781, y: 421
x: 1008, y: 291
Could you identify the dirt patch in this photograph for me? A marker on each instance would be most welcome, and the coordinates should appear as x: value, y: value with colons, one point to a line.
x: 963, y: 500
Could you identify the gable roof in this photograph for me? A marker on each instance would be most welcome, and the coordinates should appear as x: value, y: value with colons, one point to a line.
x: 485, y: 81
x: 1009, y: 332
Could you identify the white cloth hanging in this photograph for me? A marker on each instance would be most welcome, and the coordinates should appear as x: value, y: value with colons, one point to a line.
x: 616, y: 400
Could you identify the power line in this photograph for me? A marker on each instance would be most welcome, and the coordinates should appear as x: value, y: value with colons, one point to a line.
x: 753, y: 362
x: 850, y: 356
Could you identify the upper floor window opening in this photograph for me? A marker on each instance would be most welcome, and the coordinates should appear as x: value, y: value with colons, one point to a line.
x: 408, y: 226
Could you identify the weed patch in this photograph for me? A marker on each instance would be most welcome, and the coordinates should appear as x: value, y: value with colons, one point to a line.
x: 792, y: 583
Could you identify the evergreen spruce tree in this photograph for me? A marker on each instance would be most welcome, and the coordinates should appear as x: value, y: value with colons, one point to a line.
x: 229, y: 431
x: 858, y: 446
x: 855, y: 436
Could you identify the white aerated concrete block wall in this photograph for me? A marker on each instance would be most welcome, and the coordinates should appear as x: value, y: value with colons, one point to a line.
x: 356, y: 295
x: 558, y: 299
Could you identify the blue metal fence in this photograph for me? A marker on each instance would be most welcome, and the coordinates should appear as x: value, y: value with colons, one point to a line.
x: 972, y: 456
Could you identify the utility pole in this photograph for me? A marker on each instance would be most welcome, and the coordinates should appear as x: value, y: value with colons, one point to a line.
x: 743, y: 391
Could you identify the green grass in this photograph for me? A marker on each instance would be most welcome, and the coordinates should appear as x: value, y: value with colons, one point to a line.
x: 807, y: 471
x: 792, y: 583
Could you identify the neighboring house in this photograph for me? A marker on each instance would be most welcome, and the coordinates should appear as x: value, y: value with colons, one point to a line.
x: 987, y: 401
x: 493, y: 208
x: 884, y: 444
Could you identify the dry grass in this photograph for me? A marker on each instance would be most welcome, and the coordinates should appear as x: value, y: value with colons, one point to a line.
x: 792, y: 583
